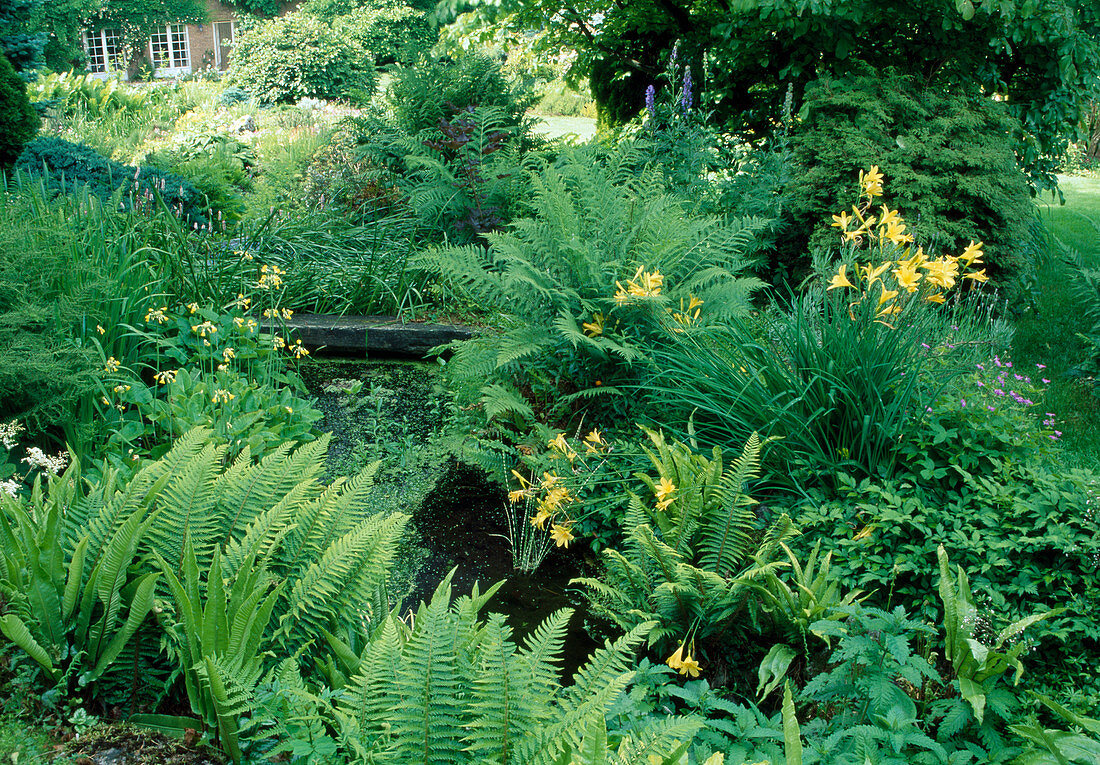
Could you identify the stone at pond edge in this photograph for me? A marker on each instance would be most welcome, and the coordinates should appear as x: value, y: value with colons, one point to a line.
x: 373, y: 335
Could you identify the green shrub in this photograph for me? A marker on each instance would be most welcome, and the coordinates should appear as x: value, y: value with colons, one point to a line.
x: 299, y: 56
x: 389, y: 30
x: 947, y: 156
x: 424, y: 95
x: 587, y: 283
x: 95, y: 97
x: 557, y: 98
x: 67, y: 165
x: 18, y: 120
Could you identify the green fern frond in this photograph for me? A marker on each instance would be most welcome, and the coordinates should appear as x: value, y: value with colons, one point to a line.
x: 726, y: 540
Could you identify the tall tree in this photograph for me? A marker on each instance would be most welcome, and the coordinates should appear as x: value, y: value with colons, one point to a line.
x: 1041, y: 56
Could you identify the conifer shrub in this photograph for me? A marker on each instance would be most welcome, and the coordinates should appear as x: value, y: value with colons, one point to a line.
x: 18, y: 120
x: 66, y: 164
x: 299, y: 56
x: 947, y: 153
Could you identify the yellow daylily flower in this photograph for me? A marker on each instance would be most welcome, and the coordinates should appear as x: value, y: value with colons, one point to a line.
x: 841, y: 221
x: 676, y: 660
x: 539, y: 519
x: 871, y: 182
x: 871, y: 273
x: 840, y: 280
x: 594, y: 327
x: 562, y: 535
x: 972, y: 254
x: 941, y: 272
x: 887, y: 296
x: 977, y: 276
x: 935, y: 297
x: 689, y: 666
x: 907, y: 276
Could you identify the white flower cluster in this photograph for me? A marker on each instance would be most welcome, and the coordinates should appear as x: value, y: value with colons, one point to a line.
x: 9, y: 487
x: 37, y: 458
x: 8, y: 434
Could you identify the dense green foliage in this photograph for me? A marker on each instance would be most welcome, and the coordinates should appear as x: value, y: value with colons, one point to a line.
x: 1045, y: 57
x: 299, y: 56
x: 589, y: 279
x: 390, y: 30
x: 20, y: 41
x: 813, y: 462
x: 18, y: 120
x: 67, y: 165
x: 424, y: 95
x: 948, y: 156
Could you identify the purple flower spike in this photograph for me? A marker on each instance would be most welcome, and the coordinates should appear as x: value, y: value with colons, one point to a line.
x: 651, y: 102
x: 685, y: 98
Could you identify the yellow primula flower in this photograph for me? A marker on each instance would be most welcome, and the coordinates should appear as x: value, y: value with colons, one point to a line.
x: 840, y: 280
x: 100, y: 329
x: 238, y: 321
x: 192, y: 307
x: 112, y: 365
x: 298, y: 349
x: 222, y: 396
x: 561, y: 534
x: 242, y: 302
x: 228, y: 354
x: 287, y: 313
x: 165, y: 377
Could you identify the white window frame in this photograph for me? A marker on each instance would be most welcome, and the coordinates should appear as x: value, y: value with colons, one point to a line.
x: 174, y: 41
x: 232, y: 39
x: 103, y: 48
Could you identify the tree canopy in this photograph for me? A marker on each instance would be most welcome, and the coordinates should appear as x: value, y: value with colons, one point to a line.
x: 1040, y: 56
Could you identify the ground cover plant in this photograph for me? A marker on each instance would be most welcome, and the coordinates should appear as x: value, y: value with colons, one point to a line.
x: 851, y: 518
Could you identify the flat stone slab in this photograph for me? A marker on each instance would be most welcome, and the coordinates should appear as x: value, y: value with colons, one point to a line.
x: 373, y: 335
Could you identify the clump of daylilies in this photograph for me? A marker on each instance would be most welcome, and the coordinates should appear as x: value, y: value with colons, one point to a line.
x: 912, y: 273
x: 552, y: 493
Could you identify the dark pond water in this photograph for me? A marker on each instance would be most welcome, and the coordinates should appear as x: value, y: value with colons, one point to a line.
x: 394, y: 411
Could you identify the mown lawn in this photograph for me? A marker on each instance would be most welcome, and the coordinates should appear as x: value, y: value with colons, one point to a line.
x: 1049, y: 332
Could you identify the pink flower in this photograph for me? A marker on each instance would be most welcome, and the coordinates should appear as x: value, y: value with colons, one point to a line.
x: 1045, y: 381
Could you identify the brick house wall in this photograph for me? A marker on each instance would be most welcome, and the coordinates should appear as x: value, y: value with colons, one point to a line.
x: 175, y: 49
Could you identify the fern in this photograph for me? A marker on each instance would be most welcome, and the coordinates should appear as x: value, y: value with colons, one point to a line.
x: 726, y: 541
